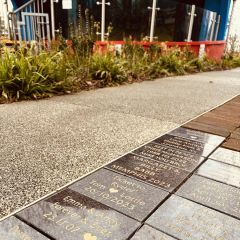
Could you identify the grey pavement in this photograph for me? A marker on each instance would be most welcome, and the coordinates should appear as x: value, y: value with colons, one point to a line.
x: 48, y: 143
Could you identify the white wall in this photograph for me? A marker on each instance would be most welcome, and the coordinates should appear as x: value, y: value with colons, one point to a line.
x: 234, y: 30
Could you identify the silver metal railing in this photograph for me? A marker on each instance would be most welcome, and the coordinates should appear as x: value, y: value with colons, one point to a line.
x: 30, y: 23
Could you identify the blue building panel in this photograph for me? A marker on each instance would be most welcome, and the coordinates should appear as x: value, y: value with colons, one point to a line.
x: 222, y: 7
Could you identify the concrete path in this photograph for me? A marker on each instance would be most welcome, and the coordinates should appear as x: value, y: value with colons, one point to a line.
x: 46, y: 144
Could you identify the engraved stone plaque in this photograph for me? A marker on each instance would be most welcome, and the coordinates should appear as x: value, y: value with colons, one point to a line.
x: 68, y: 215
x: 187, y: 220
x: 221, y: 172
x: 122, y: 193
x: 199, y: 148
x: 149, y: 233
x: 198, y: 136
x: 170, y: 156
x: 149, y: 171
x: 213, y: 194
x: 14, y: 229
x: 226, y: 156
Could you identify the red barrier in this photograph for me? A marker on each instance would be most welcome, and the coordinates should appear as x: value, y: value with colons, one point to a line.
x: 213, y: 49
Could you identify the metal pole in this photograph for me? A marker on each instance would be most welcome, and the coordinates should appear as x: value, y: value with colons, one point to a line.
x: 213, y: 26
x: 153, y: 20
x: 217, y: 29
x: 192, y: 14
x: 103, y: 17
x: 103, y: 20
x: 52, y: 19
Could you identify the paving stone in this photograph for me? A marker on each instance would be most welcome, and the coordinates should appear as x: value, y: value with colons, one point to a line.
x: 187, y: 220
x: 153, y: 172
x: 233, y: 144
x: 218, y: 122
x: 233, y: 104
x: 14, y: 229
x: 198, y: 136
x: 68, y: 215
x: 208, y: 128
x: 226, y: 156
x: 188, y: 145
x: 212, y: 194
x: 229, y: 119
x: 149, y: 233
x: 221, y: 172
x: 227, y: 112
x: 236, y: 134
x: 170, y: 156
x: 122, y: 193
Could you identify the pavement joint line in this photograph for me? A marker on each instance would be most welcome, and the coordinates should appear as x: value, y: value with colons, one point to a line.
x: 85, y: 175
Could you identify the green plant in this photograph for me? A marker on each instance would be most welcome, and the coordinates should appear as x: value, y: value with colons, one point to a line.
x: 24, y: 76
x: 108, y: 69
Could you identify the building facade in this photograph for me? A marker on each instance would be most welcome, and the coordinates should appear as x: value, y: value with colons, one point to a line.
x: 133, y: 18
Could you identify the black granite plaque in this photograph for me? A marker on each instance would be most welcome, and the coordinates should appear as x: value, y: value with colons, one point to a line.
x: 226, y: 156
x: 68, y: 215
x: 199, y: 148
x: 14, y: 229
x: 122, y: 193
x: 221, y: 172
x: 213, y: 194
x: 170, y: 156
x: 149, y: 233
x: 198, y: 136
x: 187, y: 220
x: 150, y: 171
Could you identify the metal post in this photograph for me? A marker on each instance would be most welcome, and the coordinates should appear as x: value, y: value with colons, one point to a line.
x: 103, y: 20
x: 153, y: 20
x: 52, y: 19
x: 192, y: 16
x: 217, y: 29
x: 103, y: 17
x: 213, y: 26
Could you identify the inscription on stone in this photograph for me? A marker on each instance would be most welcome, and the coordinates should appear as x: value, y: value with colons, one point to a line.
x: 221, y: 172
x: 149, y: 233
x: 170, y: 156
x: 149, y: 171
x: 226, y: 156
x: 198, y: 136
x: 68, y: 215
x: 187, y: 220
x: 199, y: 148
x: 14, y: 229
x: 122, y: 193
x: 213, y: 194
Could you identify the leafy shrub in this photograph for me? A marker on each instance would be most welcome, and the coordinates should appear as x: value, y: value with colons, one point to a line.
x: 108, y: 69
x: 25, y: 76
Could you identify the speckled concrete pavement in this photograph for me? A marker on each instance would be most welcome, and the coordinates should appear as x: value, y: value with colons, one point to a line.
x: 46, y: 144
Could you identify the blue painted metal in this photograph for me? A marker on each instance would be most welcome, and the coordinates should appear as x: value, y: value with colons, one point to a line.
x: 18, y: 3
x: 222, y: 7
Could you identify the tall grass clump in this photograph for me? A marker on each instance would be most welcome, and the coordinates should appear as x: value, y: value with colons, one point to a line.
x: 24, y: 76
x: 76, y: 65
x: 107, y: 69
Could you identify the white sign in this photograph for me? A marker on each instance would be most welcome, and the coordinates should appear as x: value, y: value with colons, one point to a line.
x: 67, y: 4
